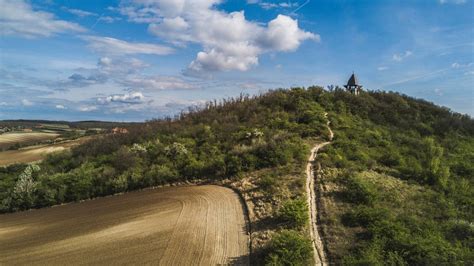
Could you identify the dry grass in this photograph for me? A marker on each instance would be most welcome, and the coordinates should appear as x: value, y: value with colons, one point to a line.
x: 194, y: 225
x: 9, y: 139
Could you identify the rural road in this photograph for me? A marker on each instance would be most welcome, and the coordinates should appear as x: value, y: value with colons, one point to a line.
x: 193, y: 225
x: 318, y: 249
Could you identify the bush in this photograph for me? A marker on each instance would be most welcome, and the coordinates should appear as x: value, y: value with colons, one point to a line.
x: 294, y: 213
x: 364, y: 216
x: 358, y: 191
x: 289, y: 248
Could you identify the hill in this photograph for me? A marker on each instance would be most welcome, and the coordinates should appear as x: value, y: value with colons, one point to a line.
x: 395, y: 185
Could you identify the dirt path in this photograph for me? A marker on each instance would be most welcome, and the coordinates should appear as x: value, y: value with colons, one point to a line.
x: 318, y: 249
x: 195, y: 225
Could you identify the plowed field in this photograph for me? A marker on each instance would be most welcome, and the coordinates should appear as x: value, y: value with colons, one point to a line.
x: 195, y: 225
x: 9, y: 139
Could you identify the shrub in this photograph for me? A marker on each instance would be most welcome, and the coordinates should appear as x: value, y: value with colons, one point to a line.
x: 364, y: 216
x: 289, y: 247
x: 358, y: 191
x: 294, y: 213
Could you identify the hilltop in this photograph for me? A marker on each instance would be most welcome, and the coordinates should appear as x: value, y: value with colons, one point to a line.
x: 394, y: 186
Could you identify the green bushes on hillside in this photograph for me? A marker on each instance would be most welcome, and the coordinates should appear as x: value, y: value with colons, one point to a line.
x: 294, y: 213
x: 425, y: 217
x: 290, y: 248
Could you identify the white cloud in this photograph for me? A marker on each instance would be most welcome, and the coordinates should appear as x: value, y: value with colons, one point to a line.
x: 114, y: 46
x: 26, y: 102
x: 438, y: 92
x: 87, y: 108
x: 401, y: 56
x: 60, y: 106
x: 108, y: 19
x: 456, y: 2
x: 157, y: 83
x: 130, y: 98
x: 283, y: 34
x: 18, y: 18
x: 3, y: 104
x: 119, y: 67
x: 229, y: 40
x: 459, y: 65
x: 79, y: 12
x: 382, y: 68
x: 270, y: 5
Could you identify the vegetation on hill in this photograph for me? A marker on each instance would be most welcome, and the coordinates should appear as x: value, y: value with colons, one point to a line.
x: 397, y: 180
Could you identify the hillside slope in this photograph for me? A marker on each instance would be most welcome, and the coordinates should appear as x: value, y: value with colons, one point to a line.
x: 385, y: 146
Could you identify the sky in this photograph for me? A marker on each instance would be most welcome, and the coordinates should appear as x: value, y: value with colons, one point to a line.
x: 134, y: 60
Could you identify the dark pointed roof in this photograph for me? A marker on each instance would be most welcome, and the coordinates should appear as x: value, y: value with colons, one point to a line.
x: 353, y: 81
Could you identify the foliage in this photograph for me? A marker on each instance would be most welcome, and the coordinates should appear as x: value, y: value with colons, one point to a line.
x: 294, y: 213
x: 425, y: 148
x: 290, y: 248
x: 413, y: 141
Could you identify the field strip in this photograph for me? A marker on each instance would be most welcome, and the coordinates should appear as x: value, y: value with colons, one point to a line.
x: 192, y: 225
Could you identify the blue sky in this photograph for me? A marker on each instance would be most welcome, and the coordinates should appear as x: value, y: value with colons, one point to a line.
x: 133, y: 60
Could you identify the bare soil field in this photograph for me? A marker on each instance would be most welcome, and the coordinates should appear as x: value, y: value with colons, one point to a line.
x: 36, y: 153
x: 9, y: 139
x: 192, y: 225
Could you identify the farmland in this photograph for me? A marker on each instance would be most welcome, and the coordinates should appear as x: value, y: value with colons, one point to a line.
x: 8, y: 140
x: 35, y: 153
x: 170, y: 226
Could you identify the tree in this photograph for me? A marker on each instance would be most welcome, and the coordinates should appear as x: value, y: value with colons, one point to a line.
x: 23, y: 193
x: 436, y: 172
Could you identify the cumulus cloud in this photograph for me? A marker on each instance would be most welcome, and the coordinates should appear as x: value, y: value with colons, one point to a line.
x: 229, y: 40
x: 129, y: 98
x: 283, y: 34
x: 18, y: 18
x: 60, y: 106
x: 112, y: 46
x: 401, y: 56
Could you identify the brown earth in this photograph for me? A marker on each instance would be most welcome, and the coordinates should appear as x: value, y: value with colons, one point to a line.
x: 193, y: 225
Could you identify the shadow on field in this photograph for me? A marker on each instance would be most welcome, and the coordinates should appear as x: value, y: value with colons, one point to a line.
x: 267, y: 223
x: 240, y: 260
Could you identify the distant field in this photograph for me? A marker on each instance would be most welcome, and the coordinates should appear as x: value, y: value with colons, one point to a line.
x: 35, y: 153
x: 24, y: 138
x: 196, y: 225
